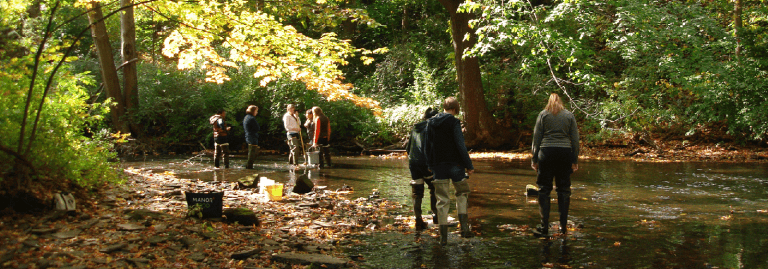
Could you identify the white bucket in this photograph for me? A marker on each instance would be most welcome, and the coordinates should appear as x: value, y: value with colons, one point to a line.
x: 313, y: 157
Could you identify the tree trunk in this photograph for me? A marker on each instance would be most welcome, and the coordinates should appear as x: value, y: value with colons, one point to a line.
x: 405, y: 22
x: 737, y: 24
x: 348, y: 26
x: 107, y: 63
x: 482, y: 129
x: 130, y: 57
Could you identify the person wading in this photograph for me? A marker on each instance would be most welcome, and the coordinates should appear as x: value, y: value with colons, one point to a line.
x: 555, y: 152
x: 420, y: 173
x: 220, y: 138
x: 251, y: 127
x: 449, y: 160
x: 322, y: 137
x: 293, y: 131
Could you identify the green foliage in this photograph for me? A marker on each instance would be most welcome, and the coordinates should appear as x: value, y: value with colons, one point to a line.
x: 633, y: 65
x: 176, y: 106
x: 61, y: 150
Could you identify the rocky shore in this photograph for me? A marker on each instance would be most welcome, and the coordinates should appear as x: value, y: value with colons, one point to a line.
x: 145, y: 223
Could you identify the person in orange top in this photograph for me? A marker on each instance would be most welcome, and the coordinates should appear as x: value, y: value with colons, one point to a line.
x: 322, y: 136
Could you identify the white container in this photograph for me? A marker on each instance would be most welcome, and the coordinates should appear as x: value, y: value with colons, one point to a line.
x: 313, y: 157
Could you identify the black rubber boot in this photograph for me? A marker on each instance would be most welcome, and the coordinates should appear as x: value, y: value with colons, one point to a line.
x: 544, y: 205
x: 420, y: 224
x: 563, y: 203
x: 466, y: 231
x: 443, y: 235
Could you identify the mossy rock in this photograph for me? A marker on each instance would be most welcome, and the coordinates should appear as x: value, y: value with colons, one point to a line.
x: 241, y: 215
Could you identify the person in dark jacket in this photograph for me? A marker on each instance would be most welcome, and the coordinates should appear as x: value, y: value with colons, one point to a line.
x: 555, y: 152
x: 220, y: 138
x: 449, y: 160
x: 322, y: 136
x: 310, y: 125
x: 251, y: 127
x: 420, y: 173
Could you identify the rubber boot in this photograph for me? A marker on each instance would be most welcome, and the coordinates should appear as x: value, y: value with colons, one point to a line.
x: 418, y: 195
x: 544, y: 205
x: 432, y: 199
x: 225, y: 149
x: 442, y: 186
x: 326, y: 150
x: 466, y: 231
x: 563, y: 203
x: 443, y: 235
x: 420, y: 224
x: 462, y: 195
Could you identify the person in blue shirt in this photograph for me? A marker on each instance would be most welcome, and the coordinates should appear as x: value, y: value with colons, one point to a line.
x: 448, y: 158
x: 251, y: 127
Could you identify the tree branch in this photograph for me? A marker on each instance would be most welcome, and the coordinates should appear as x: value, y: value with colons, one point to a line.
x: 127, y: 63
x: 18, y: 157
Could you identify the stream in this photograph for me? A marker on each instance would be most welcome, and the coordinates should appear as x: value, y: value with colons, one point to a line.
x: 628, y: 214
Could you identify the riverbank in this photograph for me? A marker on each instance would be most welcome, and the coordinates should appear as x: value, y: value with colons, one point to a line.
x: 669, y: 151
x: 144, y: 224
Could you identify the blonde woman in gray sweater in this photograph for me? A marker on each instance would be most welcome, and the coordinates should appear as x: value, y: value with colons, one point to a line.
x: 555, y: 156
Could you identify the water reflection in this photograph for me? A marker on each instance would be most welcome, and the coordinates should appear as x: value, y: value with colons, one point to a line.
x: 628, y: 215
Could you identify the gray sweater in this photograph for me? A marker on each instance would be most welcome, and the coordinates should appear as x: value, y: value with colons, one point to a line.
x: 556, y: 131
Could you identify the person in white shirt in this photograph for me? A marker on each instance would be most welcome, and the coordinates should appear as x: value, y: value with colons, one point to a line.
x: 293, y: 131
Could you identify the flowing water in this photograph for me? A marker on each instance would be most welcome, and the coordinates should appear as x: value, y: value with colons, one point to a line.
x: 629, y: 215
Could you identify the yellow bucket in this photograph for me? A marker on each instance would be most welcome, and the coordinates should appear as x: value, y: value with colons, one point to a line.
x: 275, y: 192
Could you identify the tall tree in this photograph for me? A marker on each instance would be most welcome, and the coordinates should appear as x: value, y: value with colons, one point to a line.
x: 482, y: 129
x: 109, y: 76
x: 130, y: 57
x: 737, y: 25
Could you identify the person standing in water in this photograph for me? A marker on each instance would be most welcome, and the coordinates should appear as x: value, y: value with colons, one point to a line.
x: 293, y: 131
x: 220, y: 138
x: 322, y: 137
x: 449, y: 160
x: 555, y: 152
x: 420, y: 173
x: 251, y: 127
x: 310, y: 125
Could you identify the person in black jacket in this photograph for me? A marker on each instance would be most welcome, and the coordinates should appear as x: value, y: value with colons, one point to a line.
x: 449, y: 160
x: 420, y: 173
x: 251, y: 127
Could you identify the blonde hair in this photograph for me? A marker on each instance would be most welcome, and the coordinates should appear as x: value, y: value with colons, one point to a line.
x: 555, y: 104
x: 317, y: 112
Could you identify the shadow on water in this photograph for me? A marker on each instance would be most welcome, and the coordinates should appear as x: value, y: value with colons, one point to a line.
x: 628, y: 215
